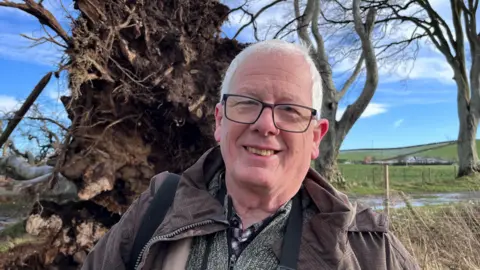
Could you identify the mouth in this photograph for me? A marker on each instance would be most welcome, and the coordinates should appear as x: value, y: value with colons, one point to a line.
x: 261, y: 152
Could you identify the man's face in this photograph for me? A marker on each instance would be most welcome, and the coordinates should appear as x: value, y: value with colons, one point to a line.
x: 270, y: 77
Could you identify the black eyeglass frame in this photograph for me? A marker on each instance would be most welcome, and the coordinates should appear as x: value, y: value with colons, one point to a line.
x: 267, y: 105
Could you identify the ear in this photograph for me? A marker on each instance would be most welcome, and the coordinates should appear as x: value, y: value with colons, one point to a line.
x: 319, y: 131
x: 218, y: 121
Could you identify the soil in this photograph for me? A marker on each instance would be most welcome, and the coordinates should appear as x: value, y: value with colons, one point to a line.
x: 144, y: 78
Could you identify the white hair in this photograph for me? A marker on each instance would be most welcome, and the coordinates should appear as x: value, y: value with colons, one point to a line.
x: 282, y: 46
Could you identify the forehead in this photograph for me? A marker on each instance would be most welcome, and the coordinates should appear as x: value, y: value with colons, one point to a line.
x: 278, y: 75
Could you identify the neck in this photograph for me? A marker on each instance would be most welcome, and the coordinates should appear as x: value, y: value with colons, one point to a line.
x: 254, y: 205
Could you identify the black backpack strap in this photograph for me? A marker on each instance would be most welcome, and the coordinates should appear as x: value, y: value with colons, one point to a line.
x: 154, y: 216
x: 292, y: 238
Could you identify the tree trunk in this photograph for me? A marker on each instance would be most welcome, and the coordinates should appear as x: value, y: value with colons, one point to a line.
x: 144, y: 79
x: 326, y: 163
x: 466, y: 143
x: 468, y: 111
x: 331, y: 143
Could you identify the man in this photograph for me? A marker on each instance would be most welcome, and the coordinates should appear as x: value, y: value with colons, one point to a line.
x: 253, y: 202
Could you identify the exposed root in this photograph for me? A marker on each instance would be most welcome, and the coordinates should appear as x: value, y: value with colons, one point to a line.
x: 144, y: 79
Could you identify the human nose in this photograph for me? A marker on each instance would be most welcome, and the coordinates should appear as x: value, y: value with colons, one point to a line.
x: 264, y: 124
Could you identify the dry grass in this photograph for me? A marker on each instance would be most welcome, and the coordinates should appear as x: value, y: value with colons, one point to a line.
x: 440, y: 237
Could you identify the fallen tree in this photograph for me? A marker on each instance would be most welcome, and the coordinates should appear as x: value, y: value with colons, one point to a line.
x: 31, y: 179
x: 144, y: 77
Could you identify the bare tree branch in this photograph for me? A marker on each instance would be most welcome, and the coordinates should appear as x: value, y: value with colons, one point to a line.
x: 60, y: 125
x: 364, y: 30
x: 238, y: 8
x: 23, y: 170
x: 42, y: 40
x: 285, y: 26
x: 44, y: 16
x: 432, y: 28
x: 353, y: 77
x: 254, y: 17
x: 321, y: 53
x: 459, y: 45
x: 304, y: 20
x: 27, y: 155
x: 26, y: 105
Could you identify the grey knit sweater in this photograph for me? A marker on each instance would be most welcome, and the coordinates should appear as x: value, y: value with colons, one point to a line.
x: 257, y: 255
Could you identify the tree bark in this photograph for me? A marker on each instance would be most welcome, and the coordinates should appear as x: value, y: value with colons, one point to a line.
x: 330, y: 145
x: 326, y: 163
x: 467, y: 134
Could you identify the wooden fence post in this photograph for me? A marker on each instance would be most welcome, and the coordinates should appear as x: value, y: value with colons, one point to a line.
x: 373, y: 176
x: 387, y: 191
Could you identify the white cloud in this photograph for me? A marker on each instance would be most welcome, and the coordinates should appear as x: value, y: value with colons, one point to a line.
x: 424, y: 101
x: 8, y: 104
x: 55, y: 92
x: 435, y: 68
x: 371, y: 110
x: 15, y: 47
x: 432, y: 68
x: 407, y: 91
x: 398, y: 123
x: 374, y: 109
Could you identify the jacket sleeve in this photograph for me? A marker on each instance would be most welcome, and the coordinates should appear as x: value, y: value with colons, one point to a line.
x: 112, y: 251
x: 400, y: 258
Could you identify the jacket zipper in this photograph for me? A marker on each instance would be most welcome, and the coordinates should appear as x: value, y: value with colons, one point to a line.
x: 232, y: 261
x: 156, y: 239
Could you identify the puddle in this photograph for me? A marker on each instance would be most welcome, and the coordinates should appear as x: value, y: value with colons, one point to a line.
x: 6, y: 221
x: 376, y: 202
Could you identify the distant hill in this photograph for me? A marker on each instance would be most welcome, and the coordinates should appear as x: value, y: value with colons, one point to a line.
x: 445, y: 150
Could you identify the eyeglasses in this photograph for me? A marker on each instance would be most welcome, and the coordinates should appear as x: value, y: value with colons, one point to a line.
x: 287, y: 117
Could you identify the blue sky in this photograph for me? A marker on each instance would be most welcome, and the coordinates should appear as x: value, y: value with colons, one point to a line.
x: 404, y: 111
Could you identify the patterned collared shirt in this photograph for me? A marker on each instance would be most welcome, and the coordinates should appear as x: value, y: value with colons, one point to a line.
x: 240, y: 237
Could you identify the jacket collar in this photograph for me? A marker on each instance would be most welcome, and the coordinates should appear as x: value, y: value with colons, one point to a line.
x: 326, y: 232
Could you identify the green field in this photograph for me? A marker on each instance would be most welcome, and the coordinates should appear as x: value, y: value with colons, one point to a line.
x: 442, y: 150
x: 369, y: 179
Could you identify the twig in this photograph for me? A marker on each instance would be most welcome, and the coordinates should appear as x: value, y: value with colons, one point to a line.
x: 39, y: 119
x: 254, y: 17
x: 53, y: 179
x: 285, y: 26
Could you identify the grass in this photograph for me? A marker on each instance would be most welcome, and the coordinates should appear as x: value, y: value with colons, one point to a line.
x: 15, y: 209
x: 443, y: 150
x: 13, y: 235
x: 440, y: 237
x: 369, y: 179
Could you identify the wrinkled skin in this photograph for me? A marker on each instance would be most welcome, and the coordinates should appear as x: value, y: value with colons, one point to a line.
x: 271, y: 77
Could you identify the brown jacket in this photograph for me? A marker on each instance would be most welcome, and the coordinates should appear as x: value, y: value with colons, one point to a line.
x: 339, y: 236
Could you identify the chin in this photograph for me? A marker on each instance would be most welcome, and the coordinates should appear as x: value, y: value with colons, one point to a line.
x: 259, y: 177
